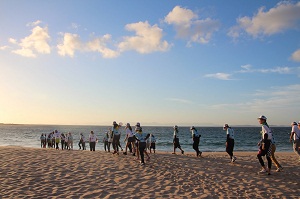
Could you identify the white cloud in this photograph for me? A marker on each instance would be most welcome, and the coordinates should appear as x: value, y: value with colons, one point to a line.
x: 37, y: 42
x: 3, y: 47
x: 25, y: 52
x: 183, y: 101
x: 296, y: 55
x: 13, y: 41
x: 147, y: 39
x: 72, y: 43
x: 69, y: 45
x: 188, y: 25
x: 283, y: 16
x: 221, y: 76
x: 35, y: 23
x: 99, y: 45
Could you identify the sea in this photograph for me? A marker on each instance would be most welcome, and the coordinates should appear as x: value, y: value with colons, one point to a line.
x: 212, y: 138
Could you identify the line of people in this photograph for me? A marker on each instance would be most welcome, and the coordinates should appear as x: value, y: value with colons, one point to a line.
x: 137, y: 142
x: 53, y: 139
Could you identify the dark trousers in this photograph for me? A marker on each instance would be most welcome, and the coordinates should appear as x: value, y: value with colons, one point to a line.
x: 259, y: 156
x: 196, y: 144
x: 106, y: 146
x: 62, y: 144
x: 230, y: 146
x: 116, y: 142
x: 142, y: 147
x: 92, y: 146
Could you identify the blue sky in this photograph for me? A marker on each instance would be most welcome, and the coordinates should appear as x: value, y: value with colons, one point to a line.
x: 158, y: 63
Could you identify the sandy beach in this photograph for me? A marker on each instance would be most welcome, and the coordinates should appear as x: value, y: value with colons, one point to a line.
x: 47, y: 173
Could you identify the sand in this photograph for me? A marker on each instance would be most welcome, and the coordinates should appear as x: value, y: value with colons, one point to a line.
x: 47, y: 173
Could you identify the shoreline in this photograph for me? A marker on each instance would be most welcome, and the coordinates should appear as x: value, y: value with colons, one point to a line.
x: 41, y: 173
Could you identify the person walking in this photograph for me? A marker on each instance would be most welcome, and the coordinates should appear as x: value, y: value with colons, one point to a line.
x: 82, y: 142
x: 176, y: 143
x: 57, y: 138
x: 295, y: 135
x: 129, y: 138
x: 229, y: 141
x: 92, y: 139
x: 196, y: 140
x: 43, y: 140
x: 264, y: 150
x: 105, y: 142
x: 116, y: 137
x: 141, y: 138
x: 152, y: 142
x: 266, y: 129
x: 63, y: 139
x: 70, y: 140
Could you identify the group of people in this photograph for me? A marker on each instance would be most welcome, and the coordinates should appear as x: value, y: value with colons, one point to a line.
x: 53, y: 139
x: 138, y: 142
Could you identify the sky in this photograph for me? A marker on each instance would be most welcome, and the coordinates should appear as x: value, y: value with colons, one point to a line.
x: 204, y: 63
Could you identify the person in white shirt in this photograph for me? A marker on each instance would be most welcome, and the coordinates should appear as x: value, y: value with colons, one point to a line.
x: 229, y: 141
x: 130, y: 141
x: 176, y: 143
x: 152, y: 140
x: 266, y: 129
x: 295, y: 135
x: 93, y: 139
x: 70, y: 141
x: 57, y: 138
x: 116, y: 137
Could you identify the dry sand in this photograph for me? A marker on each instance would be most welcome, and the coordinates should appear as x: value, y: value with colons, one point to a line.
x: 47, y: 173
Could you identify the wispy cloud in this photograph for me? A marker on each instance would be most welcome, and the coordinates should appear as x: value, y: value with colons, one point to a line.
x: 221, y: 76
x: 188, y: 25
x: 280, y: 70
x: 3, y: 47
x: 285, y: 15
x: 296, y: 55
x: 249, y: 69
x: 147, y: 39
x: 178, y: 100
x: 275, y: 99
x: 35, y: 23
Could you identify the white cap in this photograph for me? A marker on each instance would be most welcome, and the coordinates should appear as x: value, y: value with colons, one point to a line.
x: 262, y: 117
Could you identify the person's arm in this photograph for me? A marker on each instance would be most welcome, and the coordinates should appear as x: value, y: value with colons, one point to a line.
x: 291, y: 136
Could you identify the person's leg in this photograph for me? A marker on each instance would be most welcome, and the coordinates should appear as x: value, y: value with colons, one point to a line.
x: 142, y: 147
x: 83, y: 146
x: 269, y: 164
x: 94, y: 146
x: 109, y: 143
x: 296, y: 146
x: 273, y: 149
x: 259, y: 156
